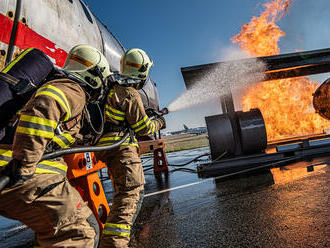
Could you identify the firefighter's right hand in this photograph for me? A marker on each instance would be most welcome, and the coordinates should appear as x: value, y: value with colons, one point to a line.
x: 13, y: 170
x: 162, y: 122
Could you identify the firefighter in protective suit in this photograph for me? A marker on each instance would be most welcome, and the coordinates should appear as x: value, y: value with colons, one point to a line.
x: 124, y: 108
x: 39, y: 195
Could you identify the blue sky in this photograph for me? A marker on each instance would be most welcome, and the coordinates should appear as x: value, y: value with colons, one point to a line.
x: 191, y: 32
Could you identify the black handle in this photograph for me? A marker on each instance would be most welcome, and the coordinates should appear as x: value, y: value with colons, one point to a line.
x: 4, y: 180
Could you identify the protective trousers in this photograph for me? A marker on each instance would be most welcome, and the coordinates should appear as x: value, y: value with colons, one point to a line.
x: 50, y: 206
x: 126, y: 172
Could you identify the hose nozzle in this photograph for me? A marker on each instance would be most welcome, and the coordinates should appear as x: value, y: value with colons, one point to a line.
x: 164, y: 111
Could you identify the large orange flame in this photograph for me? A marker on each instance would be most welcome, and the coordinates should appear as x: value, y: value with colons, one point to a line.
x: 286, y: 104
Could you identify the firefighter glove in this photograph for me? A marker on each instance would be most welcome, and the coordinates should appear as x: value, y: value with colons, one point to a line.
x: 162, y: 122
x: 13, y: 170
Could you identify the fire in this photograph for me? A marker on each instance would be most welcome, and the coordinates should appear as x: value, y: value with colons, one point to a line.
x: 286, y: 104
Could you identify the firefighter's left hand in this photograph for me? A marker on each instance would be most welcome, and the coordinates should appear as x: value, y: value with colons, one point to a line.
x: 14, y: 171
x: 162, y: 122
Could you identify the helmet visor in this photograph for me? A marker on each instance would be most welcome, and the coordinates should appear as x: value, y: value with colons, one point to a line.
x: 76, y: 63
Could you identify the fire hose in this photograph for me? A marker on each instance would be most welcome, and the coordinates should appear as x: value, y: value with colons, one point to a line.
x: 4, y: 180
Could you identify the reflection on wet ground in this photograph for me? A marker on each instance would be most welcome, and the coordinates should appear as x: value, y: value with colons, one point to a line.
x: 278, y: 207
x: 281, y: 207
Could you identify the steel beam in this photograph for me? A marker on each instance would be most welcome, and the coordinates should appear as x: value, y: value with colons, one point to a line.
x: 277, y: 66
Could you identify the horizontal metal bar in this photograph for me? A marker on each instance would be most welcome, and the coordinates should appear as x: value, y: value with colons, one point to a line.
x: 277, y: 66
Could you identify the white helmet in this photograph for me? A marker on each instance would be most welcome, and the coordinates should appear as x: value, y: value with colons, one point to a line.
x: 87, y: 64
x: 135, y: 64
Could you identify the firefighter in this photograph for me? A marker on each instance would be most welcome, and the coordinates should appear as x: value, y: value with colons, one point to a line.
x: 321, y: 99
x: 124, y: 108
x: 39, y: 195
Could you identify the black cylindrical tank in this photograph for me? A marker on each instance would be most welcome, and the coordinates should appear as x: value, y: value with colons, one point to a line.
x: 236, y: 134
x: 252, y: 131
x: 221, y: 135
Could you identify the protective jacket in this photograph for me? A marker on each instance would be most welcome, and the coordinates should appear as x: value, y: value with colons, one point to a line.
x: 124, y: 107
x: 50, y: 120
x: 46, y: 202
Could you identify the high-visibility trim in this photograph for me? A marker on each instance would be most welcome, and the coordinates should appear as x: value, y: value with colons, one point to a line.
x: 81, y: 60
x: 152, y: 128
x: 35, y: 132
x: 112, y: 91
x: 51, y: 167
x: 38, y: 120
x: 114, y: 113
x: 139, y: 122
x: 118, y: 118
x: 35, y: 126
x: 6, y: 153
x: 58, y: 96
x: 5, y: 157
x: 115, y: 110
x: 16, y: 60
x: 145, y: 122
x: 111, y: 140
x: 64, y: 140
x: 117, y: 230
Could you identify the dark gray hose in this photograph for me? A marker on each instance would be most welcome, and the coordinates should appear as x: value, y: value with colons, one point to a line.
x: 82, y: 149
x: 4, y: 180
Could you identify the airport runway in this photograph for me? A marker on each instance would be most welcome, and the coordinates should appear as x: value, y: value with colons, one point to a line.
x: 287, y: 207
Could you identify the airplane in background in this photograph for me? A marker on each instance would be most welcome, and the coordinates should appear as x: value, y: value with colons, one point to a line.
x: 186, y: 129
x: 197, y: 130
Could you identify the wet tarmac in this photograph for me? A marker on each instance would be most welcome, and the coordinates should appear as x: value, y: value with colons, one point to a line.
x: 281, y: 207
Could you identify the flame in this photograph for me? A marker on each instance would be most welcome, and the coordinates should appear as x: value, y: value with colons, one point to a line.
x: 286, y: 104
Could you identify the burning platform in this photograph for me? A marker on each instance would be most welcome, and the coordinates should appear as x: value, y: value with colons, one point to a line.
x: 248, y: 140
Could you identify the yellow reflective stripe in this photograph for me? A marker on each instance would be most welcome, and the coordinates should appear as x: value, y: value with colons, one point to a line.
x: 152, y: 129
x: 6, y: 153
x: 130, y: 144
x: 16, y: 60
x: 115, y: 116
x: 45, y: 171
x: 63, y: 101
x: 115, y: 110
x: 60, y: 142
x: 142, y: 127
x: 3, y: 163
x: 55, y: 164
x: 51, y: 167
x: 112, y: 91
x: 35, y: 132
x: 57, y: 139
x: 38, y: 120
x: 121, y: 230
x: 139, y: 122
x: 103, y: 141
x: 114, y: 138
x: 106, y: 232
x: 5, y: 157
x: 122, y: 226
x: 110, y: 138
x: 68, y: 137
x: 61, y: 93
